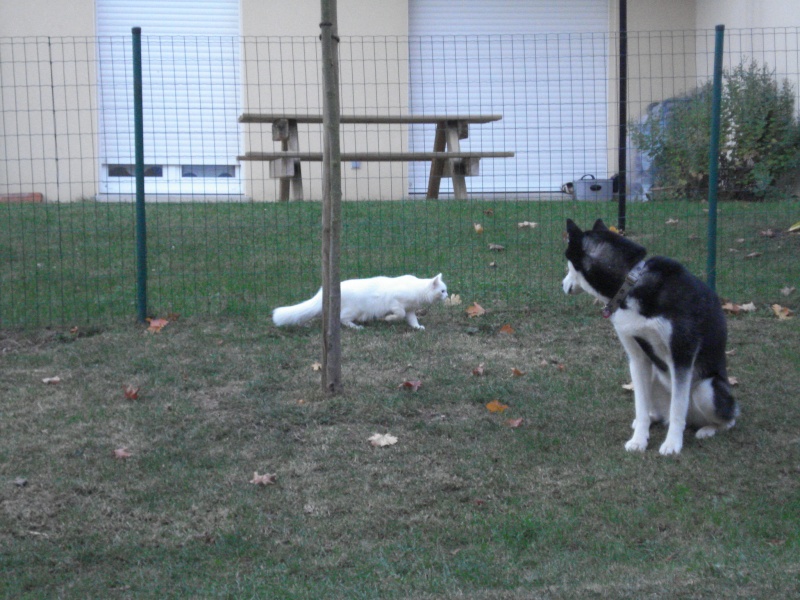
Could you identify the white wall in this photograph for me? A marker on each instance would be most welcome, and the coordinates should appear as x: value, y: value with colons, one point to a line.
x: 302, y: 17
x: 46, y: 18
x: 741, y: 14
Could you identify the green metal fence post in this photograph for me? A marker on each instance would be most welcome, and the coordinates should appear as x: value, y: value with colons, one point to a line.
x: 622, y: 155
x: 141, y: 223
x: 713, y: 160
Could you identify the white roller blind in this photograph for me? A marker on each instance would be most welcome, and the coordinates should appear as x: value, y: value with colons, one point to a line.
x: 542, y: 64
x: 190, y: 68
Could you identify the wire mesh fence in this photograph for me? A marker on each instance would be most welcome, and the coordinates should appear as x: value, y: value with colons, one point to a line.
x: 532, y: 120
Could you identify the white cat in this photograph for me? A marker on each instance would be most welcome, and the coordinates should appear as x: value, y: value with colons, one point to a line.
x: 390, y: 298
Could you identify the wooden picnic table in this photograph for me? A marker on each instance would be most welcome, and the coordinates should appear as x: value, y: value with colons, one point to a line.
x: 447, y: 159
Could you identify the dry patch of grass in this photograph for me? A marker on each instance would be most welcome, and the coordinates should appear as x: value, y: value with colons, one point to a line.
x: 463, y: 504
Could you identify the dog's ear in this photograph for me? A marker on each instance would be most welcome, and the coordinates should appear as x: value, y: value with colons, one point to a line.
x: 572, y: 229
x: 599, y: 226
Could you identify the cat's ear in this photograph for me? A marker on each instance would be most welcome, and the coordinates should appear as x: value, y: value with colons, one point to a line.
x: 437, y: 279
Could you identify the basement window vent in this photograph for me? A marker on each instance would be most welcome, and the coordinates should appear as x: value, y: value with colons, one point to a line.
x: 208, y: 171
x: 130, y: 171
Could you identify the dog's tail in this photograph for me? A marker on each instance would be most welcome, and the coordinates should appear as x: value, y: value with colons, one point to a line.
x: 725, y: 405
x: 299, y: 313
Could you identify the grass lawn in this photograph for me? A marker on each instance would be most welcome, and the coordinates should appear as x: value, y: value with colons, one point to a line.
x: 464, y: 504
x: 74, y: 264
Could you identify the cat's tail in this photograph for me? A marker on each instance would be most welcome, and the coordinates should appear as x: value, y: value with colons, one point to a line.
x: 299, y: 313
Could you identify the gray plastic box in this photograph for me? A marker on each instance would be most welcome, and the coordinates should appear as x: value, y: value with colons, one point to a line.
x: 593, y: 190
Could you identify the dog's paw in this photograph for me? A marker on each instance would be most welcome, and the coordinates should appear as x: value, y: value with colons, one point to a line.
x: 705, y: 432
x: 670, y: 447
x: 636, y: 445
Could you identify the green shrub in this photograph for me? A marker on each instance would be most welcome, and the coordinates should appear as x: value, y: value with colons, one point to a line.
x: 759, y: 136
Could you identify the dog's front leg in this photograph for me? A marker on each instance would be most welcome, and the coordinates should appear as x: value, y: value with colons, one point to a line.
x: 642, y: 376
x: 678, y: 409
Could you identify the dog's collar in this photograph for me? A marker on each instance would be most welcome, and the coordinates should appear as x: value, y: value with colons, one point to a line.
x: 630, y: 280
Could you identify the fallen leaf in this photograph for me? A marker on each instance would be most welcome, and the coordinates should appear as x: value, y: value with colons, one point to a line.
x: 20, y: 482
x: 767, y: 233
x: 730, y: 352
x: 380, y: 440
x: 735, y: 309
x: 496, y: 247
x: 74, y: 330
x: 516, y: 372
x: 730, y: 307
x: 753, y: 255
x: 495, y: 406
x: 131, y: 393
x: 488, y: 212
x: 776, y: 542
x: 733, y: 381
x: 561, y: 367
x: 782, y: 312
x: 317, y: 366
x: 122, y: 453
x: 628, y: 386
x: 795, y: 227
x: 453, y: 300
x: 740, y: 240
x: 479, y: 371
x: 156, y: 325
x: 412, y: 385
x: 528, y: 224
x: 52, y: 380
x: 507, y: 329
x: 672, y: 221
x: 475, y: 310
x: 478, y: 228
x: 514, y: 423
x: 787, y: 291
x: 265, y: 479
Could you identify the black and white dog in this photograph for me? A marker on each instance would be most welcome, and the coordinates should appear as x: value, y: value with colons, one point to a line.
x: 672, y: 327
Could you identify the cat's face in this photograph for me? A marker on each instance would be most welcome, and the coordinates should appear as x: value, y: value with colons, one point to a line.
x: 440, y: 287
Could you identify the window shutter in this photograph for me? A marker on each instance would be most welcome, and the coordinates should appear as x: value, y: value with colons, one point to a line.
x: 542, y: 64
x: 191, y: 87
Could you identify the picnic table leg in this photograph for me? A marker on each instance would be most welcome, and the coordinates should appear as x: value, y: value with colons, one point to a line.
x: 297, y: 180
x: 279, y: 169
x: 437, y: 164
x: 453, y: 145
x: 283, y: 182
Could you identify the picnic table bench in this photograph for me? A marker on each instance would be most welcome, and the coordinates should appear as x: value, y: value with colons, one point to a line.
x: 446, y: 158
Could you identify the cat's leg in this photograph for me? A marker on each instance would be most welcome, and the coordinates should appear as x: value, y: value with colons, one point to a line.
x: 411, y: 319
x: 396, y: 313
x: 351, y: 324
